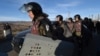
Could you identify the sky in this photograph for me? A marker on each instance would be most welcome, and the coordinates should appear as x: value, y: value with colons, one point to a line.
x: 9, y: 9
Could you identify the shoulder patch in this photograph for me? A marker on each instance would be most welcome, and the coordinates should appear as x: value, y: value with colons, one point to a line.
x: 47, y: 27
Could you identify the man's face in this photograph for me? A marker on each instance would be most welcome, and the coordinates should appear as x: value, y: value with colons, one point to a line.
x: 69, y: 21
x: 31, y: 15
x: 76, y: 19
x: 57, y: 18
x: 78, y: 26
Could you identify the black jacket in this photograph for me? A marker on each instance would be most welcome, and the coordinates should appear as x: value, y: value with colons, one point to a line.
x: 85, y: 45
x: 58, y: 31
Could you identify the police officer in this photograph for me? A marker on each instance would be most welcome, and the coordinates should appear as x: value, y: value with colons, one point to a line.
x: 83, y: 39
x: 41, y: 23
x: 60, y: 28
x: 7, y: 32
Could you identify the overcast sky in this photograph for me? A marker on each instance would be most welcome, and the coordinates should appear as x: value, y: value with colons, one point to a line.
x: 9, y: 9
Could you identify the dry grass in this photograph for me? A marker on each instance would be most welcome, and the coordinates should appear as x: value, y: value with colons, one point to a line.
x: 16, y: 27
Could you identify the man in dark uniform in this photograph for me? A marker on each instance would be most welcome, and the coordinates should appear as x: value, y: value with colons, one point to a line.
x: 83, y: 39
x: 41, y: 23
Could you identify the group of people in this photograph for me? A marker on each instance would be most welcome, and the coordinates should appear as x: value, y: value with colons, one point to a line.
x: 76, y: 31
x: 73, y: 30
x: 97, y: 27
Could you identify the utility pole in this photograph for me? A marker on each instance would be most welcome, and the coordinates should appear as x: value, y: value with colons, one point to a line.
x: 92, y: 16
x: 98, y: 17
x: 89, y: 16
x: 68, y: 14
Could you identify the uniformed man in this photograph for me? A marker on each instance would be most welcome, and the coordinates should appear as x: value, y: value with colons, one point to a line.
x: 41, y: 23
